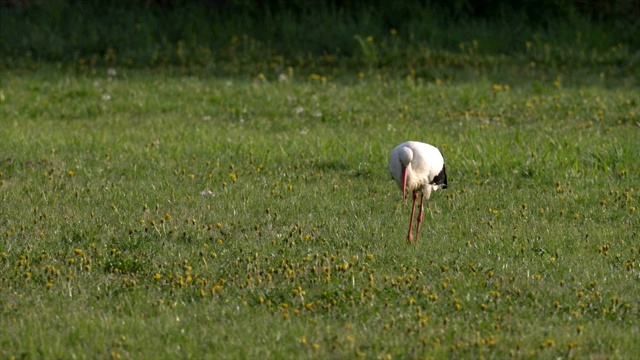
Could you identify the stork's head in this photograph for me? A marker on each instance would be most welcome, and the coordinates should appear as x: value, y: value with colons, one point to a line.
x: 405, y: 156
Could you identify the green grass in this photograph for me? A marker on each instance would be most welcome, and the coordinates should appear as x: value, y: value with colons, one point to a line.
x: 297, y: 248
x: 247, y: 38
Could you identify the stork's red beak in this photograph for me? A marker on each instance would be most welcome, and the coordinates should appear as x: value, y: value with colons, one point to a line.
x: 404, y: 184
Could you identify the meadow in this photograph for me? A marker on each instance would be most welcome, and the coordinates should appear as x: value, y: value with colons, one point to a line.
x: 245, y: 209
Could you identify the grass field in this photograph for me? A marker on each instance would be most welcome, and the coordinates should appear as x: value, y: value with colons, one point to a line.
x: 200, y: 182
x: 163, y: 215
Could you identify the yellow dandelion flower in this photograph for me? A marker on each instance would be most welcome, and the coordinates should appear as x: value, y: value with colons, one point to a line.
x: 350, y: 339
x: 557, y: 82
x: 491, y: 342
x: 549, y: 343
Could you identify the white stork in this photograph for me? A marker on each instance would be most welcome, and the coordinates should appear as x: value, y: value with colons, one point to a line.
x: 417, y: 167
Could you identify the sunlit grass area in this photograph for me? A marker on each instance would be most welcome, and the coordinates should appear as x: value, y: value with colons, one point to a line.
x: 184, y: 181
x: 152, y: 214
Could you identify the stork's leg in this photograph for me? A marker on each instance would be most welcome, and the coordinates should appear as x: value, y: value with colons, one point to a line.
x: 420, y: 215
x: 413, y: 207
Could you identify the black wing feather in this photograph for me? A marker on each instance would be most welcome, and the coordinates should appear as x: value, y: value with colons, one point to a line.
x: 441, y: 178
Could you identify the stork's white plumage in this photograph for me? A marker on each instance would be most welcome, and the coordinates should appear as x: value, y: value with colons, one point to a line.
x: 417, y: 167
